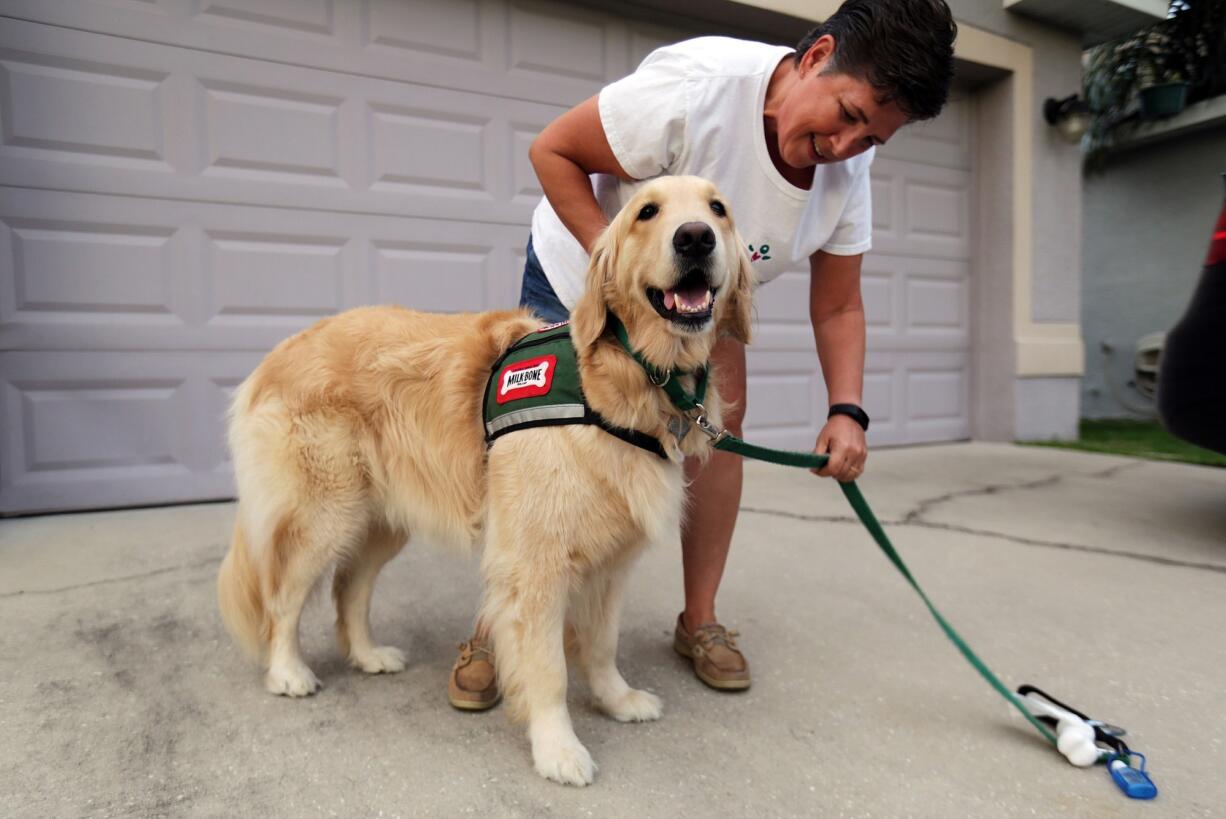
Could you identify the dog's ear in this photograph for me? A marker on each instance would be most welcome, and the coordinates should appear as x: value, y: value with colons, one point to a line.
x: 736, y: 319
x: 587, y: 320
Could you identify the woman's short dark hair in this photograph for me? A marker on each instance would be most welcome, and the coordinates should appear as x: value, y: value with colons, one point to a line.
x: 904, y: 49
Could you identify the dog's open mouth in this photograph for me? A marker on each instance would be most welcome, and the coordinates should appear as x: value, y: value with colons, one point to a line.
x: 688, y: 303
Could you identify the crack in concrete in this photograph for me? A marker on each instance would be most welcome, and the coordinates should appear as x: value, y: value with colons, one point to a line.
x: 212, y: 561
x: 1018, y: 539
x: 927, y: 504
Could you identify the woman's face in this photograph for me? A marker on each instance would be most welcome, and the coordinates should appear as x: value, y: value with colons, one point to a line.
x: 831, y: 117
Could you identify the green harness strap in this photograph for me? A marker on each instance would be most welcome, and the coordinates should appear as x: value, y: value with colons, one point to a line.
x: 722, y: 440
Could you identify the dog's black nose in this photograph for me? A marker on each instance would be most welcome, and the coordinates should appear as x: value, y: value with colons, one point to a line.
x: 694, y: 240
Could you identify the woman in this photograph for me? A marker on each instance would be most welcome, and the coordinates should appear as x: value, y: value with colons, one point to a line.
x: 788, y: 137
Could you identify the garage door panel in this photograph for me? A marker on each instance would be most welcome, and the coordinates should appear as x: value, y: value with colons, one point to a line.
x: 553, y: 40
x: 117, y: 431
x: 780, y: 401
x: 418, y: 151
x: 944, y: 141
x: 525, y: 187
x: 879, y: 292
x: 926, y: 211
x: 259, y: 276
x: 72, y: 271
x: 937, y: 306
x: 279, y: 131
x: 314, y: 16
x: 916, y: 396
x: 886, y: 193
x: 777, y: 301
x: 61, y: 105
x: 432, y: 276
x: 409, y: 25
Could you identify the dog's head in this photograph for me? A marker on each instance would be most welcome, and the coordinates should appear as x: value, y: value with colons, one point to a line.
x: 673, y: 268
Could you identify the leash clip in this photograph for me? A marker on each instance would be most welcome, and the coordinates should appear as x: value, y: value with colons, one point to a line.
x: 699, y: 417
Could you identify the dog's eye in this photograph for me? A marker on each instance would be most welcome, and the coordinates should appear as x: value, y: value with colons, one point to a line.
x: 649, y: 210
x: 717, y: 207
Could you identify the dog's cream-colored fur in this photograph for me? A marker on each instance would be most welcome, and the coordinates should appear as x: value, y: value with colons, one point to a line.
x: 365, y: 429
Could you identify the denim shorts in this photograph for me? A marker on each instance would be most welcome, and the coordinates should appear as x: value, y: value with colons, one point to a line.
x: 537, y: 293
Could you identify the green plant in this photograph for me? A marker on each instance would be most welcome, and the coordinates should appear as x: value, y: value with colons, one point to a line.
x: 1189, y: 46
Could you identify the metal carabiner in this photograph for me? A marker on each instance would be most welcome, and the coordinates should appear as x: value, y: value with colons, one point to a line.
x: 699, y: 416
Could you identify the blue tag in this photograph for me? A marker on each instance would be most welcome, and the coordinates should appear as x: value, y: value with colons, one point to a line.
x: 1135, y: 783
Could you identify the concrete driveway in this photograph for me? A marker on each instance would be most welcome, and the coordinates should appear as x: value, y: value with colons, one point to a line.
x: 1101, y: 579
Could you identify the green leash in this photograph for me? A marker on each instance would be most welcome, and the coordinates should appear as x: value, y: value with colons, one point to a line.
x: 691, y: 405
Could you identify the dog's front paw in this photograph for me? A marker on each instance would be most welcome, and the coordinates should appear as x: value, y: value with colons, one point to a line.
x: 291, y: 680
x: 634, y: 706
x: 379, y: 660
x: 565, y: 762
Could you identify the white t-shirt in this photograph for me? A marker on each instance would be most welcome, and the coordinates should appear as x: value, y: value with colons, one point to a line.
x: 696, y: 108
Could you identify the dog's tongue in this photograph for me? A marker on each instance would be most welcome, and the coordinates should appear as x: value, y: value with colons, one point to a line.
x: 693, y: 297
x: 670, y: 301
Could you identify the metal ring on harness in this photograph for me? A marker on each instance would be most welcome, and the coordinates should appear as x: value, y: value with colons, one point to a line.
x: 651, y: 376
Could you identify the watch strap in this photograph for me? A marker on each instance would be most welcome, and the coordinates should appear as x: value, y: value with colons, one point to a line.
x: 852, y: 411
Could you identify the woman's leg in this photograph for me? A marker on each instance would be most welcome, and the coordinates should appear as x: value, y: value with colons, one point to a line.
x: 706, y: 536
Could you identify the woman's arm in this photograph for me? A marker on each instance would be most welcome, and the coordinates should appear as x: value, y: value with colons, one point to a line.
x: 569, y: 149
x: 837, y: 314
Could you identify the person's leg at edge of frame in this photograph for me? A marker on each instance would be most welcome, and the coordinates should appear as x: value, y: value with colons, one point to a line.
x: 706, y: 538
x: 472, y: 685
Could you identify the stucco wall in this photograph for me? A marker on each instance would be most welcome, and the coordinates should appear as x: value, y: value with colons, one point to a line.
x: 1057, y: 165
x: 1147, y: 218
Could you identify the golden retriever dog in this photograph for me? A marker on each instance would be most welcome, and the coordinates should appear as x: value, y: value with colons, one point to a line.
x: 366, y: 429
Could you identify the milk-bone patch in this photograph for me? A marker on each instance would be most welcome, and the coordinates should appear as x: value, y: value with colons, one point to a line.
x: 526, y: 379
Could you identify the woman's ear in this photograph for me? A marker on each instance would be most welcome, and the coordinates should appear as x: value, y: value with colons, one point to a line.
x: 587, y: 321
x: 736, y: 319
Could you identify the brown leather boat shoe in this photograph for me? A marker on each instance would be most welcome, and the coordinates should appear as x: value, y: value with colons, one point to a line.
x: 717, y: 660
x: 473, y: 685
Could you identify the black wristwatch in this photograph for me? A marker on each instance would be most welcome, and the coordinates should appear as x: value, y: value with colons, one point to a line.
x: 852, y: 411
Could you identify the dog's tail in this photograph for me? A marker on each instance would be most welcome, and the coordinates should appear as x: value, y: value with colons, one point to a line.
x: 240, y: 595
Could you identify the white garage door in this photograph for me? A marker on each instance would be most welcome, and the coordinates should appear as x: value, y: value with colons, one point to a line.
x: 915, y: 287
x: 185, y: 182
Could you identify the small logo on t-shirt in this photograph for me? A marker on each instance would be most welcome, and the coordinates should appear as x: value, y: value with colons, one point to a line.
x: 763, y: 252
x: 526, y: 379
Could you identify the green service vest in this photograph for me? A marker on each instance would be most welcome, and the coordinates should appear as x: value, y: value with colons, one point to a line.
x: 536, y: 384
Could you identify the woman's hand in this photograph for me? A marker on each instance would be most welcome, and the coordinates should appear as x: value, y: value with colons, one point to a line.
x: 843, y: 440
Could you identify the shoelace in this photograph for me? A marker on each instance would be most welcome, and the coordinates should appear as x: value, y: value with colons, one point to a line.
x: 468, y: 651
x: 710, y: 635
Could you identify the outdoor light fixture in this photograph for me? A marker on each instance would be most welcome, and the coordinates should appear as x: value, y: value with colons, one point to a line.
x: 1070, y: 116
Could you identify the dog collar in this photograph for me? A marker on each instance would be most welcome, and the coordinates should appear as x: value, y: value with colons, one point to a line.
x: 665, y: 379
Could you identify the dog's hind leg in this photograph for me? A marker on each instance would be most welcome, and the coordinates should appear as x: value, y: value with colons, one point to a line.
x: 302, y: 548
x: 351, y: 590
x: 595, y: 615
x: 525, y: 608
